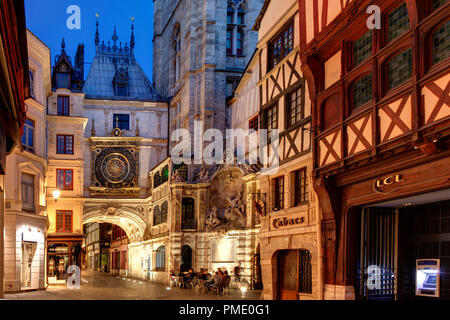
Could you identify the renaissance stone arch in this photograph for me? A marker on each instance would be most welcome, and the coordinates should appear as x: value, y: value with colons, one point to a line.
x: 130, y: 220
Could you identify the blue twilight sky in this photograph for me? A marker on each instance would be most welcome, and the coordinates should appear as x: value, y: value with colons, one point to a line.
x: 47, y: 20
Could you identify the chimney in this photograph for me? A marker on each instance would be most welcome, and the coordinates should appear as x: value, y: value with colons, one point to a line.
x: 79, y: 60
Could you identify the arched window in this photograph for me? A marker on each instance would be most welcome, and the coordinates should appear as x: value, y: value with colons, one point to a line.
x: 160, y: 264
x: 188, y: 214
x: 240, y: 15
x: 165, y: 174
x: 164, y: 210
x: 156, y: 216
x: 235, y: 27
x: 177, y: 53
x: 157, y: 180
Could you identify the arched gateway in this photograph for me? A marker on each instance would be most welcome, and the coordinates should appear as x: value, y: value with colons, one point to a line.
x: 131, y: 221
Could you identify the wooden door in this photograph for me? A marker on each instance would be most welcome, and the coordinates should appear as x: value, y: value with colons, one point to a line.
x: 288, y: 275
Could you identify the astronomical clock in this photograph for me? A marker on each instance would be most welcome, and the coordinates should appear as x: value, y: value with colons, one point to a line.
x: 114, y: 167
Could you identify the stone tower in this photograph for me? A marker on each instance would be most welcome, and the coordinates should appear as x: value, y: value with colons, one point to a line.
x: 201, y: 49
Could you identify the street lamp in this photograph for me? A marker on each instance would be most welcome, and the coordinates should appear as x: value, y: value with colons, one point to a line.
x: 55, y: 193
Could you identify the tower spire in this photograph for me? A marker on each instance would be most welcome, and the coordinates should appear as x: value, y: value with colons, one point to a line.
x: 132, y: 43
x: 115, y: 37
x: 97, y: 35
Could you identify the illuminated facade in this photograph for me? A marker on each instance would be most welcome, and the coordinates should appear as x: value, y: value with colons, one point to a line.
x: 26, y: 215
x: 289, y: 234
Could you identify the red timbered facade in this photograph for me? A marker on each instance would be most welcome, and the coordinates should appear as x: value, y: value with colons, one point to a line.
x: 381, y: 127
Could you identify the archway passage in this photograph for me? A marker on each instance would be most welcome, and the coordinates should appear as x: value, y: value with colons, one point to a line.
x: 130, y: 221
x: 106, y: 248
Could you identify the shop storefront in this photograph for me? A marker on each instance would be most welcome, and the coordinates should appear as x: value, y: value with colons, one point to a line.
x: 62, y: 253
x: 396, y: 234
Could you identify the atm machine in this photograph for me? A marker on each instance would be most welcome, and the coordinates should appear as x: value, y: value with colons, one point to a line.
x: 427, y: 277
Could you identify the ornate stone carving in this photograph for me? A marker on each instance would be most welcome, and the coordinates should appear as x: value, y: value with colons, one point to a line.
x: 109, y: 211
x: 213, y: 220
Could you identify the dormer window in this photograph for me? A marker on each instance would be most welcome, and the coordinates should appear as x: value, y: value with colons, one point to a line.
x: 121, y: 90
x: 121, y: 83
x: 62, y: 80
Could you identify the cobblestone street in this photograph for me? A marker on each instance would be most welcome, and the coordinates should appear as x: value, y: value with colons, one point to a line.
x: 100, y: 286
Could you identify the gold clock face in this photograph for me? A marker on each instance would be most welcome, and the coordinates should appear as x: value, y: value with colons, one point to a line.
x: 115, y: 167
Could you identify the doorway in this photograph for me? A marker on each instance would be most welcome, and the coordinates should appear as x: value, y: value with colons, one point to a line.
x: 294, y: 274
x: 186, y: 258
x: 390, y: 241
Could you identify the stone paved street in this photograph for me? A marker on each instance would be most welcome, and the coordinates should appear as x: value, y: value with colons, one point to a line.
x: 100, y: 286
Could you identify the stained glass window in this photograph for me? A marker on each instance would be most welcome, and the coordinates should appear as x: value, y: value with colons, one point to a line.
x: 362, y: 91
x: 441, y: 43
x: 399, y: 69
x: 398, y: 21
x: 362, y: 48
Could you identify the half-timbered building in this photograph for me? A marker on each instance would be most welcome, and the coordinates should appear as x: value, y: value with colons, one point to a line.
x: 378, y: 77
x: 288, y: 237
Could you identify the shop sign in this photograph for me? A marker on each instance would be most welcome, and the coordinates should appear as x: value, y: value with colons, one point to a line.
x: 59, y: 249
x: 388, y: 181
x: 282, y: 222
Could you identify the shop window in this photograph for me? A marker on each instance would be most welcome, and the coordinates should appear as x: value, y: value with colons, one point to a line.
x: 305, y: 272
x: 399, y: 69
x: 271, y: 120
x: 122, y: 121
x: 63, y: 221
x: 160, y: 263
x: 64, y: 144
x: 362, y: 48
x: 398, y: 22
x: 300, y: 187
x: 441, y: 43
x: 281, y: 46
x: 278, y: 193
x: 28, y: 193
x: 28, y: 135
x: 63, y: 106
x: 187, y: 214
x: 295, y: 107
x: 253, y: 123
x: 64, y: 179
x: 362, y: 91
